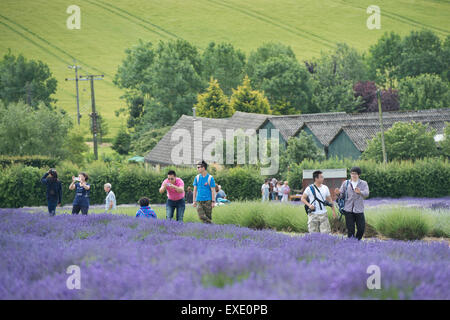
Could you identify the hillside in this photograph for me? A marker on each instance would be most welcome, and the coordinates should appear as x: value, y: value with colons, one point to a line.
x: 38, y: 30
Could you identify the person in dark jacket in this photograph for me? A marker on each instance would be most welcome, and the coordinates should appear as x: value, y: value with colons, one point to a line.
x: 189, y: 195
x: 81, y: 201
x: 54, y: 190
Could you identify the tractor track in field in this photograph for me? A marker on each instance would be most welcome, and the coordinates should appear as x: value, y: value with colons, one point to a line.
x: 34, y: 43
x: 107, y: 6
x: 400, y: 18
x: 49, y: 44
x: 292, y: 29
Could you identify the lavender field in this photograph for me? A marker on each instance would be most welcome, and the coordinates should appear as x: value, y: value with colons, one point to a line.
x: 121, y: 257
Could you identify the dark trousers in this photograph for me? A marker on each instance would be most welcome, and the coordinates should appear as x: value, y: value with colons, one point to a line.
x: 76, y: 209
x: 171, y: 205
x: 355, y: 218
x: 52, y: 206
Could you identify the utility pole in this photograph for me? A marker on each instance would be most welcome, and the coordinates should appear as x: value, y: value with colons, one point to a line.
x: 380, y: 112
x: 94, y: 113
x: 74, y: 66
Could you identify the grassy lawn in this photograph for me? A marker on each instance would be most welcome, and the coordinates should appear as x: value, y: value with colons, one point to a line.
x: 38, y: 30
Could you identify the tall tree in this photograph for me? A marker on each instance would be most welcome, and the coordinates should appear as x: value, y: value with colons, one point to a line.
x: 335, y: 73
x: 213, y: 103
x: 28, y: 131
x: 393, y: 58
x: 384, y: 58
x: 224, y: 63
x: 265, y: 52
x: 426, y: 91
x: 27, y: 80
x: 166, y: 79
x: 247, y: 100
x: 286, y: 83
x: 403, y: 141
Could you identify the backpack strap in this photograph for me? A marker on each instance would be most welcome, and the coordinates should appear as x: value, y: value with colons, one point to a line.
x: 345, y: 190
x: 315, y: 196
x: 209, y: 179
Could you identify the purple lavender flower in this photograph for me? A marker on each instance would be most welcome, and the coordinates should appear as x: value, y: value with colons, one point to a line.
x: 121, y: 257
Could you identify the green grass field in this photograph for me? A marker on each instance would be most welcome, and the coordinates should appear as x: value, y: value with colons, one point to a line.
x: 38, y: 30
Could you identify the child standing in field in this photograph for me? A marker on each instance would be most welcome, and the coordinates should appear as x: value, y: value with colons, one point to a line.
x: 285, y: 191
x: 145, y: 210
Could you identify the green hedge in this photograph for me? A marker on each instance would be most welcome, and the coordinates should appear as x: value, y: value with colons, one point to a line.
x: 32, y: 161
x: 21, y: 185
x: 421, y: 178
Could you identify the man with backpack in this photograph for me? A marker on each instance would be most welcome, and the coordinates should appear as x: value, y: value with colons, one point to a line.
x: 204, y: 193
x: 350, y: 199
x: 316, y: 198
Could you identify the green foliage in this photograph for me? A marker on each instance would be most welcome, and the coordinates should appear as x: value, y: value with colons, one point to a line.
x: 122, y: 142
x: 31, y: 161
x: 224, y: 63
x: 411, y: 224
x: 169, y: 74
x: 445, y: 144
x: 259, y: 215
x: 22, y: 80
x: 298, y: 149
x: 75, y: 145
x: 143, y: 142
x: 247, y: 100
x: 403, y: 141
x: 26, y: 131
x: 240, y: 183
x: 335, y: 74
x: 213, y: 103
x: 421, y: 178
x: 426, y: 91
x: 394, y: 58
x: 265, y: 52
x: 285, y: 82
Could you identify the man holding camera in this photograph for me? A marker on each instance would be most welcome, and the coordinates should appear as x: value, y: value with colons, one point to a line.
x: 174, y: 187
x: 317, y: 197
x: 355, y: 191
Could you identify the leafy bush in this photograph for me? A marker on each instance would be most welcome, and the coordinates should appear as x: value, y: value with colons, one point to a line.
x: 122, y: 142
x: 37, y: 161
x: 403, y: 141
x: 421, y: 178
x: 404, y: 225
x: 426, y: 91
x: 424, y: 178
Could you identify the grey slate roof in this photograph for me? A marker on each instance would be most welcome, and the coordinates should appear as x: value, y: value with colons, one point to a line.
x: 331, y: 124
x: 325, y: 126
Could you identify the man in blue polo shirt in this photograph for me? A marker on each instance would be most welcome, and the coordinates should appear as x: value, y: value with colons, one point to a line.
x: 204, y: 193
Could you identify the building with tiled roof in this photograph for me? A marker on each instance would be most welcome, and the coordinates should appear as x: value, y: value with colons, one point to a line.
x: 337, y: 134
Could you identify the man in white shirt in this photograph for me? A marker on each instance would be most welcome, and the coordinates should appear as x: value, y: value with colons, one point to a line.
x: 110, y: 202
x: 318, y: 217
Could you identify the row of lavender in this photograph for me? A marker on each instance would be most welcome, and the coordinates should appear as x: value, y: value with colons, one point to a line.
x: 121, y: 257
